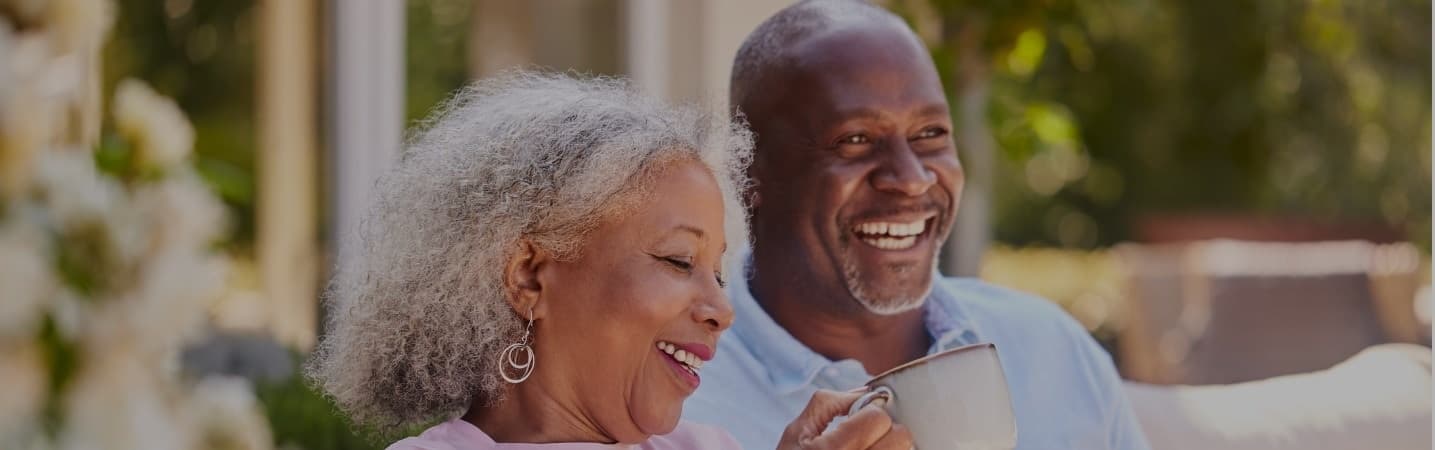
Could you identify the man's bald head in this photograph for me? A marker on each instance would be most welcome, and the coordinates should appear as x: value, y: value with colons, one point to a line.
x: 852, y: 134
x: 769, y: 46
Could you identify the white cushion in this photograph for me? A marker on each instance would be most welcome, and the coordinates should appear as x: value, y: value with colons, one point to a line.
x: 1377, y: 399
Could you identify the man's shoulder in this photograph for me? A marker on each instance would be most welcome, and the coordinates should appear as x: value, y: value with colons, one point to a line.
x: 988, y: 302
x: 1012, y: 317
x: 734, y: 368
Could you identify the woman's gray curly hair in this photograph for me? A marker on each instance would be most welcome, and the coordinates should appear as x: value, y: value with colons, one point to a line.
x: 418, y: 313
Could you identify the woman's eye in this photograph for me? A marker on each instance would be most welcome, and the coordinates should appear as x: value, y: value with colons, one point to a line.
x: 722, y: 282
x: 679, y: 263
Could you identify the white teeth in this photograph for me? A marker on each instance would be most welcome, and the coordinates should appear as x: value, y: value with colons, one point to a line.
x: 689, y: 360
x: 893, y: 229
x: 887, y: 243
x: 891, y: 236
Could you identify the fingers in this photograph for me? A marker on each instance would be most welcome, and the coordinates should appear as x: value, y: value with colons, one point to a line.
x: 870, y: 428
x: 821, y: 409
x: 859, y: 431
x: 897, y: 438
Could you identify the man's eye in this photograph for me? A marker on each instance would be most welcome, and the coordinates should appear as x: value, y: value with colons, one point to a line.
x: 856, y: 139
x: 934, y: 132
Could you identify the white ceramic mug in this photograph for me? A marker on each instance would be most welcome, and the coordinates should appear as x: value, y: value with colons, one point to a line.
x: 952, y: 400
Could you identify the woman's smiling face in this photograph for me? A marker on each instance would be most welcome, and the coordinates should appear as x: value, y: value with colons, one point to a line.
x: 646, y: 283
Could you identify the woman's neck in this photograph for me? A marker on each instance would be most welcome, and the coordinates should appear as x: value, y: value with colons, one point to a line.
x: 530, y: 414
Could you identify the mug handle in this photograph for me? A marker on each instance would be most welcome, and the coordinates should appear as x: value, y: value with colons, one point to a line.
x: 882, y: 392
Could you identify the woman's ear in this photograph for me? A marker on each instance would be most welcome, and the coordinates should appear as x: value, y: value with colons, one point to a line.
x: 521, y: 279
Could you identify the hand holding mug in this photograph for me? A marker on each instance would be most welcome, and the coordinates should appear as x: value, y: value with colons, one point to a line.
x: 953, y: 400
x: 867, y: 427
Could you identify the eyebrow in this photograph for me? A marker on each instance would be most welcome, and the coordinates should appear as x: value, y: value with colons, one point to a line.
x: 932, y: 109
x: 699, y: 233
x: 692, y: 229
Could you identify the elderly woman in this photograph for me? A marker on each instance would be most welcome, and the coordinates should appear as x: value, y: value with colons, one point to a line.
x: 545, y: 266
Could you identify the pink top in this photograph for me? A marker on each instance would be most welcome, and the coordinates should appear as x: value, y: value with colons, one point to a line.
x: 457, y: 434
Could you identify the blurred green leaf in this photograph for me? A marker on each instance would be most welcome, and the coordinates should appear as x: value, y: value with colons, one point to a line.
x: 113, y: 156
x: 300, y: 417
x: 62, y: 360
x: 1024, y: 58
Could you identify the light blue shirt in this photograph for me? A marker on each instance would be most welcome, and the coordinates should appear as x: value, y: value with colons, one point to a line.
x: 1065, y: 392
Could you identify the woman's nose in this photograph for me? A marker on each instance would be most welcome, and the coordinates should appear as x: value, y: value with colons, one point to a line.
x: 714, y: 310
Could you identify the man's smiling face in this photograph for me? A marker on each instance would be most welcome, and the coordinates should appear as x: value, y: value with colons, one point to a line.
x: 856, y: 169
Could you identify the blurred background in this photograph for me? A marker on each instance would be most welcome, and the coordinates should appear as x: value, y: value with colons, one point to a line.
x: 1221, y: 191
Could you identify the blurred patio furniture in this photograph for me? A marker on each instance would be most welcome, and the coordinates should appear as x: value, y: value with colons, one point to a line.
x: 252, y: 356
x: 1378, y: 399
x: 1224, y: 311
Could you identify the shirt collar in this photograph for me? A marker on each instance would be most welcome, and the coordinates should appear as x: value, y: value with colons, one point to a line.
x: 791, y: 365
x: 947, y: 318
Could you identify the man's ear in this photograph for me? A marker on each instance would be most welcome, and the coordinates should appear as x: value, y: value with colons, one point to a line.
x: 521, y: 279
x: 749, y: 193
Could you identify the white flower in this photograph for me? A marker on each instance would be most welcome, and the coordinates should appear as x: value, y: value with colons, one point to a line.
x: 79, y: 25
x: 228, y: 415
x: 70, y: 312
x: 169, y: 307
x: 15, y: 151
x: 22, y: 393
x: 164, y: 308
x: 162, y: 136
x: 127, y: 233
x: 25, y: 273
x: 73, y: 190
x: 29, y: 117
x: 182, y: 212
x: 116, y: 402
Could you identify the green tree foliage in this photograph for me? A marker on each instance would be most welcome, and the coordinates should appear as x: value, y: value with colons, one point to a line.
x: 435, y: 45
x: 1107, y: 110
x: 200, y: 53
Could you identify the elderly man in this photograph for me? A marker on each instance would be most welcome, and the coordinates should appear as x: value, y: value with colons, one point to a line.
x: 857, y: 184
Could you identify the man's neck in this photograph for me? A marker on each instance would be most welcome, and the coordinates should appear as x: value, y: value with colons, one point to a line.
x: 835, y: 326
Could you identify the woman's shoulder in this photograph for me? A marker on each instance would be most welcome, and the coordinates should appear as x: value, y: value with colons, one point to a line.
x: 452, y: 435
x: 695, y: 436
x: 460, y: 435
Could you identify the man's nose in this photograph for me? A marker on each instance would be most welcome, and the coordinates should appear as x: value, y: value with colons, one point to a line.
x: 902, y: 171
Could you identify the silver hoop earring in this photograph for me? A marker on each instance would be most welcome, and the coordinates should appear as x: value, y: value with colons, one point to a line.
x: 509, y: 357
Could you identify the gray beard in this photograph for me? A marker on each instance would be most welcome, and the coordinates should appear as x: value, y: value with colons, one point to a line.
x: 879, y: 305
